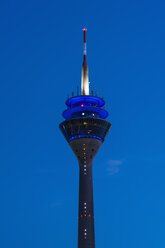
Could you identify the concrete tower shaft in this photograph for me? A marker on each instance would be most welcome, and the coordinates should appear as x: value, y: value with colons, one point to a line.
x: 85, y: 150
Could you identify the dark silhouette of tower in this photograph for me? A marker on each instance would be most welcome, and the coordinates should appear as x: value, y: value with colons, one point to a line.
x: 85, y: 129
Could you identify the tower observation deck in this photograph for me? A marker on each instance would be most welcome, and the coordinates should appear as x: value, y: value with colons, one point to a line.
x: 85, y: 128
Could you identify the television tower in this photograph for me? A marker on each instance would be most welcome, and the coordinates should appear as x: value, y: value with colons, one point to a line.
x: 85, y: 129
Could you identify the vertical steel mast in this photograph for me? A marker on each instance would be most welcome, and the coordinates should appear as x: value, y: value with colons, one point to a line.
x: 85, y: 129
x: 85, y: 78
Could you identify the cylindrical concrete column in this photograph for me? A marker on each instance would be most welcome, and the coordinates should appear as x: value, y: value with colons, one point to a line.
x: 85, y: 150
x: 86, y: 236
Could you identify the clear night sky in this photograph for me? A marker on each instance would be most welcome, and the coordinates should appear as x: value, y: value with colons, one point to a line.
x: 41, y: 51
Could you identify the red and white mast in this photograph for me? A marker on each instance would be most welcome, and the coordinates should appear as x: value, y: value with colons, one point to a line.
x: 85, y: 78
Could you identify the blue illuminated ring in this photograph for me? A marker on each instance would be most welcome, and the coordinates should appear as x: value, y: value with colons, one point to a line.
x: 85, y: 112
x: 86, y: 100
x: 85, y: 136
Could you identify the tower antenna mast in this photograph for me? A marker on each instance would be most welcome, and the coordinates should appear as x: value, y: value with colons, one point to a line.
x: 85, y: 77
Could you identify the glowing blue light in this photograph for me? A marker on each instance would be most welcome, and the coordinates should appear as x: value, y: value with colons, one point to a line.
x: 85, y: 112
x: 85, y: 101
x: 85, y: 136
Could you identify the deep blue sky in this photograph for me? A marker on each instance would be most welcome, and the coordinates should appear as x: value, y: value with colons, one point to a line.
x: 40, y: 64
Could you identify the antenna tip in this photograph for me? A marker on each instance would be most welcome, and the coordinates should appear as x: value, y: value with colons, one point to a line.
x: 84, y: 29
